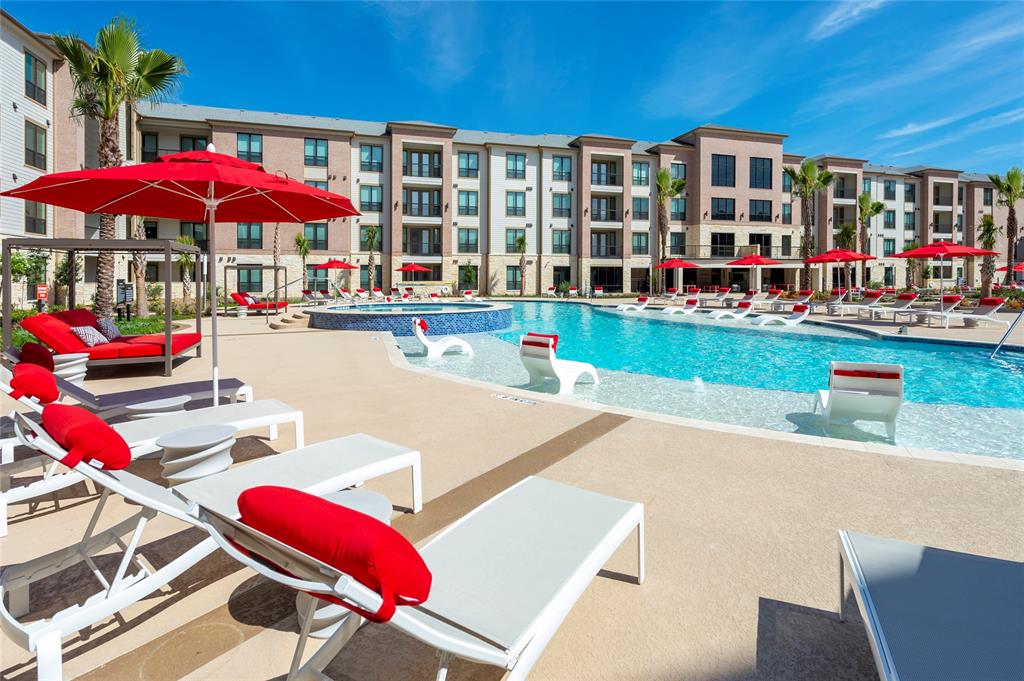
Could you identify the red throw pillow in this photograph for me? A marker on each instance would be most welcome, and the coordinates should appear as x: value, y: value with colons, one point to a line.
x: 692, y: 301
x: 744, y: 304
x: 800, y: 308
x: 34, y: 381
x: 552, y: 336
x: 34, y: 353
x: 363, y: 547
x: 952, y: 299
x: 422, y: 323
x: 86, y: 437
x: 991, y: 302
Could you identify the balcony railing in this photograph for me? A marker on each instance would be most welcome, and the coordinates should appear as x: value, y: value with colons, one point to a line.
x: 420, y: 170
x: 469, y: 172
x: 677, y: 216
x: 731, y: 252
x: 422, y: 210
x: 429, y: 248
x: 943, y: 201
x: 561, y: 212
x: 371, y: 166
x: 469, y: 210
x: 604, y: 215
x: 562, y: 175
x: 371, y: 206
x: 515, y: 174
x: 605, y: 179
x: 515, y: 211
x: 610, y: 251
x: 646, y: 215
x: 843, y: 193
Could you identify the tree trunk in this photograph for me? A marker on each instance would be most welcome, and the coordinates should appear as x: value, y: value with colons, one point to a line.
x: 139, y: 269
x: 1011, y: 243
x: 663, y: 229
x: 522, y: 274
x: 805, y: 245
x: 186, y: 282
x: 865, y: 250
x: 109, y: 156
x: 988, y: 268
x: 305, y: 284
x: 277, y: 255
x: 371, y: 265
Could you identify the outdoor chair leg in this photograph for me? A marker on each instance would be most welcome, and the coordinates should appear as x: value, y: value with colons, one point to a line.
x: 305, y: 622
x: 842, y: 587
x: 442, y: 667
x: 48, y: 657
x: 640, y: 568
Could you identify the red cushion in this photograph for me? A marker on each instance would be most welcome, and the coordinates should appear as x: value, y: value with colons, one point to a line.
x: 34, y: 381
x: 873, y: 294
x: 799, y: 308
x: 991, y: 301
x: 864, y: 373
x: 376, y: 289
x: 552, y: 336
x: 269, y: 305
x: 952, y: 299
x: 240, y: 299
x: 467, y: 293
x: 744, y: 304
x: 907, y: 296
x: 774, y: 291
x: 86, y: 437
x: 360, y: 290
x: 596, y: 288
x: 751, y: 293
x: 34, y: 353
x: 77, y: 317
x: 153, y: 344
x: 672, y: 290
x: 641, y: 299
x: 54, y: 333
x: 692, y: 301
x: 807, y: 292
x: 306, y: 292
x: 422, y: 323
x: 363, y: 547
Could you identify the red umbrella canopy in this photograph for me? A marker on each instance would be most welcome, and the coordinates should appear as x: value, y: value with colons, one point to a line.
x: 181, y: 186
x: 944, y: 249
x: 752, y: 261
x: 335, y: 264
x: 839, y: 255
x: 674, y: 264
x: 1019, y: 267
x: 413, y: 267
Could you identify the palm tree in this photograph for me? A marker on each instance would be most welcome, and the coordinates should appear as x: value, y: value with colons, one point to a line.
x: 912, y: 264
x: 668, y: 189
x: 277, y: 257
x: 139, y: 267
x: 807, y: 181
x: 846, y: 237
x: 186, y: 262
x: 988, y: 233
x: 117, y: 72
x: 302, y: 248
x: 866, y: 209
x: 519, y: 246
x: 1011, y: 190
x: 372, y: 235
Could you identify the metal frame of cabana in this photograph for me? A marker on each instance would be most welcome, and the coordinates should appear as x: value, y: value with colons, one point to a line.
x: 76, y: 247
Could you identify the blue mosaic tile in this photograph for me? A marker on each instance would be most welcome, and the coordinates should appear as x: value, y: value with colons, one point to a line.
x: 400, y: 324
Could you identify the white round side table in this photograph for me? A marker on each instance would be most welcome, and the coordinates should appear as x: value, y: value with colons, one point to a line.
x: 71, y: 367
x: 162, y: 407
x: 192, y: 453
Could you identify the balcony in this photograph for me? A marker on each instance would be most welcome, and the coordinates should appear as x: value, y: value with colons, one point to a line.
x: 422, y: 210
x: 844, y: 193
x: 421, y: 170
x: 371, y: 206
x: 371, y: 166
x: 422, y: 248
x: 605, y: 179
x: 605, y: 251
x: 605, y: 215
x: 943, y: 201
x: 562, y: 176
x: 646, y: 215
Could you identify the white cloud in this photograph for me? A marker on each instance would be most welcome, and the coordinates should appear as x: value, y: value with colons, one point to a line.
x: 974, y: 127
x: 915, y: 128
x: 843, y: 15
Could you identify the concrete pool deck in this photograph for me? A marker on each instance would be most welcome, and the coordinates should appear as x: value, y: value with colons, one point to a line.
x: 741, y: 529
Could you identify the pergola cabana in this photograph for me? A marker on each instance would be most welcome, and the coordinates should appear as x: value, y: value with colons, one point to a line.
x: 76, y: 247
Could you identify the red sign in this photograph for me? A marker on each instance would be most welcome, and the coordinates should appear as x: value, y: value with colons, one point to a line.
x: 42, y: 291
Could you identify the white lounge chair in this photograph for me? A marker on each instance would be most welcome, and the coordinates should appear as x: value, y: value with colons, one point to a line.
x: 395, y: 292
x: 769, y: 301
x: 689, y: 307
x: 362, y: 294
x: 721, y: 295
x: 748, y: 297
x: 741, y: 310
x: 326, y: 296
x: 503, y: 577
x: 859, y: 391
x: 799, y: 314
x: 345, y: 295
x: 321, y: 469
x: 378, y: 294
x: 537, y: 353
x: 836, y: 297
x: 938, y: 309
x: 672, y: 294
x: 310, y: 297
x: 437, y: 347
x: 803, y: 298
x: 573, y: 291
x: 984, y: 312
x: 551, y: 292
x: 640, y: 304
x: 435, y: 298
x: 904, y: 305
x: 869, y: 302
x: 469, y: 297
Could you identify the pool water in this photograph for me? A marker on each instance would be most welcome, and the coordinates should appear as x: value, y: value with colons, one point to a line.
x: 403, y: 308
x: 957, y: 399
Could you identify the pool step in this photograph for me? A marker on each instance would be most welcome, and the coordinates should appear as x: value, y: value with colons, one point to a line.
x: 294, y: 322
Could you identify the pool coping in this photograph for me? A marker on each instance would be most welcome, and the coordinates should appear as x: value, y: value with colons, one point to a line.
x: 349, y: 309
x: 399, y: 360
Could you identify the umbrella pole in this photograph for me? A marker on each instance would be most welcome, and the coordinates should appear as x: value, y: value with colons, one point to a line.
x: 211, y: 236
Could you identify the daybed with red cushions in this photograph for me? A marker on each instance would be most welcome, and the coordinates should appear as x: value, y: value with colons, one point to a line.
x: 55, y: 331
x: 253, y: 305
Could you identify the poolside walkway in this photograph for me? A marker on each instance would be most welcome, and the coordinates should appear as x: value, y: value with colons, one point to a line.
x: 741, y: 530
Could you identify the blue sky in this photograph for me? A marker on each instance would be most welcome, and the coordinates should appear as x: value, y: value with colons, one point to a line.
x: 892, y: 82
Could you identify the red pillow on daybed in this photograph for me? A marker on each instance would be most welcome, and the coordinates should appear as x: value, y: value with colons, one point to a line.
x: 34, y: 381
x: 552, y: 336
x: 78, y: 316
x: 360, y: 546
x: 86, y: 437
x: 54, y: 332
x: 34, y: 353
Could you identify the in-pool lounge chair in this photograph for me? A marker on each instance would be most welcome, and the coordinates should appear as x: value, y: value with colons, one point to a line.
x: 799, y: 314
x: 256, y: 307
x: 689, y: 307
x: 870, y: 302
x: 640, y: 304
x: 321, y: 469
x: 672, y: 294
x: 552, y: 292
x: 741, y: 310
x: 537, y: 353
x: 984, y: 312
x: 503, y: 577
x: 932, y: 613
x: 437, y: 347
x: 860, y: 391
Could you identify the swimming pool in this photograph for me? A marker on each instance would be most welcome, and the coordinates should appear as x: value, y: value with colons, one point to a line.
x: 957, y: 398
x: 405, y: 308
x: 442, y: 318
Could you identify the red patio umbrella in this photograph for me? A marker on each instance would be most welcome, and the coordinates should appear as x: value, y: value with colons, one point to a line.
x: 941, y: 250
x: 1019, y: 267
x: 752, y: 261
x: 335, y: 264
x: 838, y: 255
x: 413, y: 267
x: 675, y: 264
x: 196, y: 186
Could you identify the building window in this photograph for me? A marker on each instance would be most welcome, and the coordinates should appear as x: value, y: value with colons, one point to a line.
x: 469, y: 164
x: 641, y: 243
x: 889, y: 276
x: 909, y: 192
x: 787, y: 245
x: 469, y: 240
x: 197, y: 232
x: 250, y: 279
x: 421, y: 203
x: 641, y: 173
x: 515, y: 166
x: 677, y: 243
x: 677, y: 209
x: 364, y: 238
x: 760, y: 173
x: 762, y: 241
x: 908, y: 220
x: 604, y: 173
x: 515, y: 204
x: 865, y: 186
x: 511, y: 236
x: 316, y: 235
x: 787, y: 213
x: 152, y: 272
x: 371, y: 198
x: 371, y: 158
x: 760, y: 211
x: 986, y: 196
x: 364, y: 276
x: 513, y: 280
x: 250, y: 235
x: 787, y: 182
x: 960, y: 221
x: 561, y: 274
x: 187, y: 143
x: 315, y: 153
x: 250, y: 147
x: 561, y: 168
x: 35, y: 146
x: 421, y: 163
x: 678, y: 171
x: 35, y: 78
x: 149, y: 228
x: 723, y: 244
x: 317, y: 280
x: 149, y: 147
x: 319, y: 184
x: 959, y: 196
x: 890, y: 219
x: 890, y: 190
x: 723, y: 170
x: 561, y: 205
x: 35, y: 217
x: 723, y: 209
x: 603, y: 209
x: 888, y: 247
x: 468, y: 203
x: 560, y: 240
x: 641, y: 208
